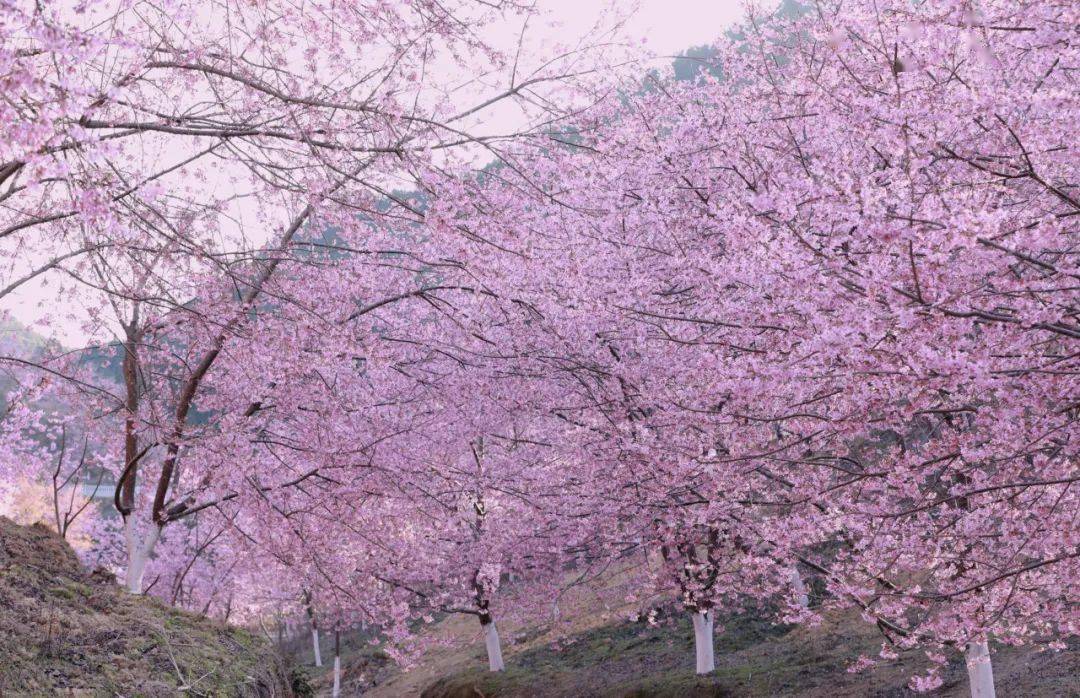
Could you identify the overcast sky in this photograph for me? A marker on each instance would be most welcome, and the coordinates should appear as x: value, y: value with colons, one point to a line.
x: 669, y: 26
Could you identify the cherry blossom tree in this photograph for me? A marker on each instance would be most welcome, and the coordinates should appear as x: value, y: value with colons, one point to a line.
x: 842, y: 268
x: 173, y: 157
x: 811, y: 312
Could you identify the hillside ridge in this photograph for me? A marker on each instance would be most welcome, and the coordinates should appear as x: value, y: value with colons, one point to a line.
x: 65, y: 630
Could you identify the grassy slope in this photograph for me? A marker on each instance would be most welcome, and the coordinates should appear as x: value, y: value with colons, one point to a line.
x: 618, y: 658
x: 753, y: 659
x: 63, y: 630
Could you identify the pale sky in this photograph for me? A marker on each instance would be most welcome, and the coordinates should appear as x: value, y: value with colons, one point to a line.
x: 669, y: 26
x: 665, y: 27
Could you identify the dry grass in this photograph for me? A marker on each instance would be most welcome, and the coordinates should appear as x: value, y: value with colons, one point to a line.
x: 64, y: 631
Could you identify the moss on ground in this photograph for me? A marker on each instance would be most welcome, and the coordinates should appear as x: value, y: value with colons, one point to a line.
x: 64, y: 631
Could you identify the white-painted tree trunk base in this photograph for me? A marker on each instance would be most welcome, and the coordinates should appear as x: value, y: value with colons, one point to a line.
x: 132, y: 574
x: 802, y: 595
x: 139, y: 552
x: 315, y: 645
x: 703, y: 642
x: 494, y: 647
x: 980, y: 670
x: 337, y: 677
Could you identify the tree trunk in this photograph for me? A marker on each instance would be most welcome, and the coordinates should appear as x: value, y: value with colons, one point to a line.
x: 337, y: 664
x: 139, y: 552
x: 703, y: 641
x: 315, y: 646
x: 802, y: 596
x: 980, y: 670
x: 494, y: 648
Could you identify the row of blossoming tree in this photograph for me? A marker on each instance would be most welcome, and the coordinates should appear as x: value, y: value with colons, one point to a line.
x: 810, y: 315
